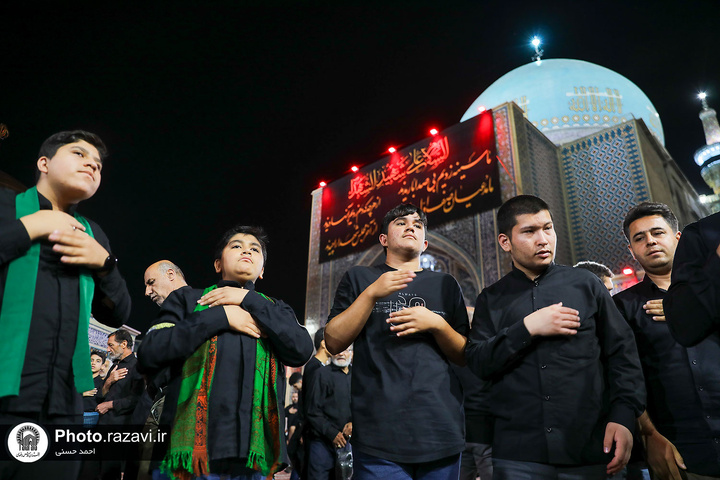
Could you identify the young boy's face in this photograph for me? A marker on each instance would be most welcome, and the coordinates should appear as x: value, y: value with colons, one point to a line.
x: 73, y: 172
x: 241, y: 259
x: 405, y: 234
x: 96, y: 363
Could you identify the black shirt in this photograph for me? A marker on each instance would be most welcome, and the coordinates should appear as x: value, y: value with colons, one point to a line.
x: 89, y: 403
x: 692, y: 305
x: 328, y: 407
x: 47, y: 383
x: 178, y: 331
x: 407, y: 402
x: 476, y: 401
x: 552, y: 397
x: 125, y: 393
x: 683, y: 384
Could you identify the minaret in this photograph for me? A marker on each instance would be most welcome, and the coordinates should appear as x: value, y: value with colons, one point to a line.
x: 708, y: 157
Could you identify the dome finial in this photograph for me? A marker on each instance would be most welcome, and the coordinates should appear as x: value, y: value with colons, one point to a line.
x: 537, y: 58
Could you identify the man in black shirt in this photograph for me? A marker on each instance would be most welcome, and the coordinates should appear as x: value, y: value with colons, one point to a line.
x: 123, y: 384
x: 692, y: 304
x: 55, y: 269
x: 328, y: 416
x: 683, y: 384
x: 406, y: 323
x: 566, y: 381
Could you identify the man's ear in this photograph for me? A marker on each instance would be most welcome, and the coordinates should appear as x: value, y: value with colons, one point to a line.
x: 504, y: 242
x: 631, y: 252
x: 218, y: 265
x: 425, y: 245
x: 383, y: 240
x: 170, y: 274
x: 261, y: 273
x: 42, y: 164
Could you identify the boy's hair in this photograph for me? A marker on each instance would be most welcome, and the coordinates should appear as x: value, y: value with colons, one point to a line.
x: 50, y: 146
x: 319, y: 337
x: 122, y: 335
x: 256, y: 232
x: 600, y: 270
x: 647, y: 209
x: 100, y: 354
x: 400, y: 211
x: 521, y: 205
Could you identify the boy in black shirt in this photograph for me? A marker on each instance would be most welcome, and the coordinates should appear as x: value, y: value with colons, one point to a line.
x: 566, y: 381
x: 406, y: 323
x: 230, y: 341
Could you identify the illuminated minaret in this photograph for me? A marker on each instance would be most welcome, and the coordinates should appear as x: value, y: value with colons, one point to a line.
x: 708, y: 157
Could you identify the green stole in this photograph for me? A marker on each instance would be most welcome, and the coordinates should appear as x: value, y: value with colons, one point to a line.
x: 187, y: 455
x: 17, y: 307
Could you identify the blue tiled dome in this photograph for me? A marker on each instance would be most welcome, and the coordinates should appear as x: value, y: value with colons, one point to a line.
x: 567, y: 99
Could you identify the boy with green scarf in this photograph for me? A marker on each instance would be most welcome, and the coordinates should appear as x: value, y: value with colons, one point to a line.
x: 225, y: 347
x: 56, y: 268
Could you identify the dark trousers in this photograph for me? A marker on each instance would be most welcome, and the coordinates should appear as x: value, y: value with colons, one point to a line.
x: 321, y: 460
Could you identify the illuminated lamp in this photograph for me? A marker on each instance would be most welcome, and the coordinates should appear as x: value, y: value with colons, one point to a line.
x: 354, y: 168
x: 481, y: 109
x: 702, y: 95
x: 392, y: 150
x: 628, y: 271
x: 322, y: 184
x: 433, y: 131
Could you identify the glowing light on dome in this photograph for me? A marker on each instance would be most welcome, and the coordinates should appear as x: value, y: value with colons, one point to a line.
x: 323, y: 184
x: 433, y: 131
x: 536, y: 42
x: 392, y: 150
x: 354, y: 168
x: 628, y: 271
x: 481, y: 109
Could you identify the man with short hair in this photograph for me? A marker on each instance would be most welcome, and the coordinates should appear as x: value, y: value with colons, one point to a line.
x: 599, y: 270
x: 683, y: 384
x: 328, y: 416
x: 123, y: 384
x: 161, y: 279
x: 566, y: 381
x: 229, y: 340
x: 56, y: 268
x: 406, y: 324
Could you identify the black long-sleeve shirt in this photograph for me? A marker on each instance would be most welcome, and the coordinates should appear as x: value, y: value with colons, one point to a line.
x: 125, y: 393
x: 328, y: 405
x: 47, y: 382
x: 692, y: 305
x: 683, y: 384
x: 552, y: 397
x: 231, y: 395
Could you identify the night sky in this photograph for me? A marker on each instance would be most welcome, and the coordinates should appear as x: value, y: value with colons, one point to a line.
x: 230, y: 113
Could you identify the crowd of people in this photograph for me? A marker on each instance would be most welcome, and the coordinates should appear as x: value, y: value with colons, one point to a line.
x: 552, y: 378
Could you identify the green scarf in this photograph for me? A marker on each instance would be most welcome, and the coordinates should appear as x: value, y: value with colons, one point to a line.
x: 187, y: 454
x: 17, y: 307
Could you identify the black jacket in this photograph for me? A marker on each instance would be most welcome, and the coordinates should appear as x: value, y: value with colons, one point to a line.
x: 47, y: 383
x: 178, y: 331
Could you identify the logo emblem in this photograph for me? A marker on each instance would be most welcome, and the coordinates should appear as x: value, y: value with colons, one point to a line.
x: 27, y: 442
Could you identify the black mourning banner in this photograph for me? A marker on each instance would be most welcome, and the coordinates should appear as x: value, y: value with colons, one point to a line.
x: 450, y: 175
